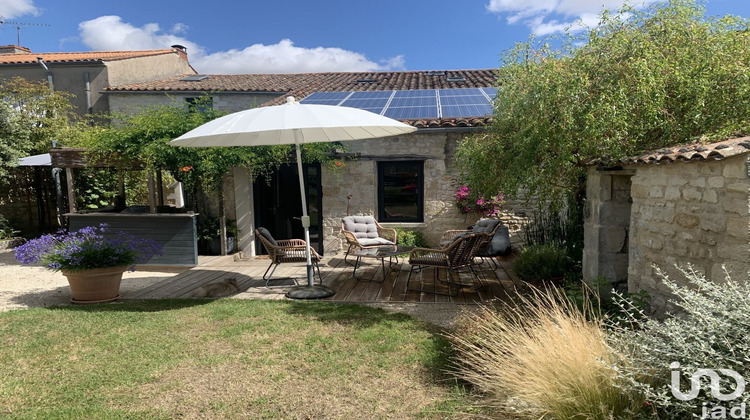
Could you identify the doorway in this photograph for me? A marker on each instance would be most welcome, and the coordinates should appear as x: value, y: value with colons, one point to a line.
x: 278, y: 206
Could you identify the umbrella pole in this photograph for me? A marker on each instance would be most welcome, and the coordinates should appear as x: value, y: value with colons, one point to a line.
x: 311, y: 291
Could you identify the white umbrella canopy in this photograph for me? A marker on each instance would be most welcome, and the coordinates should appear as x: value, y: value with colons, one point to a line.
x: 294, y: 123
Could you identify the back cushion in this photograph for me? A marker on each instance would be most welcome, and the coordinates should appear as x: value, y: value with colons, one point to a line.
x: 266, y: 234
x: 361, y: 226
x: 485, y: 226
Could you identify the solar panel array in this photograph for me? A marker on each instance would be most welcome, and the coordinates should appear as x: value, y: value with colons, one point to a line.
x: 414, y: 104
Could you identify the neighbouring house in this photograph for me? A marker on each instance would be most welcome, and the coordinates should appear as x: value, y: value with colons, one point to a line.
x: 85, y: 75
x: 405, y: 181
x: 676, y: 206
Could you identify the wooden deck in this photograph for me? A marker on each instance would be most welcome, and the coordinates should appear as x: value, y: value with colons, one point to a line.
x: 338, y: 276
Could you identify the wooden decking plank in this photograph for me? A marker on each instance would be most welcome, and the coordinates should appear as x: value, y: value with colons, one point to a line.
x: 156, y: 289
x: 337, y: 275
x: 225, y: 273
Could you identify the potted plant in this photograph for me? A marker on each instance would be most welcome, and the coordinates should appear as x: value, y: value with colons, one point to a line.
x: 92, y: 261
x: 209, y: 235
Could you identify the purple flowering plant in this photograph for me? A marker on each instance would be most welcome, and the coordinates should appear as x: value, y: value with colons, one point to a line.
x: 467, y: 203
x: 86, y: 249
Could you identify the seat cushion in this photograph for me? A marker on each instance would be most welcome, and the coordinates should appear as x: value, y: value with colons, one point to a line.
x: 361, y: 226
x: 374, y: 241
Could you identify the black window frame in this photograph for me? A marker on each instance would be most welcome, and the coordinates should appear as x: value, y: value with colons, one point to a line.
x: 382, y: 217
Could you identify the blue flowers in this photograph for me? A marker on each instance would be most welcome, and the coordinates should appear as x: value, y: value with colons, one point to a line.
x: 87, y: 248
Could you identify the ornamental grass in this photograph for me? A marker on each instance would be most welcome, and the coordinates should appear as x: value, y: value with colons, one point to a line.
x: 542, y: 358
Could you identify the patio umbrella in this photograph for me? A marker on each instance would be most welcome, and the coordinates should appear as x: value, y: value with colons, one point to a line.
x: 294, y: 123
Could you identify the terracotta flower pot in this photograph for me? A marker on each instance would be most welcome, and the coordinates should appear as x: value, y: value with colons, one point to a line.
x: 96, y: 285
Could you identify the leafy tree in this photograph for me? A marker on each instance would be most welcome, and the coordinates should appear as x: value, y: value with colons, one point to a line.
x: 31, y: 116
x: 638, y: 81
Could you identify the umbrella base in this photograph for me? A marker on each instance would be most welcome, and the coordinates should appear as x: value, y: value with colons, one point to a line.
x: 310, y: 292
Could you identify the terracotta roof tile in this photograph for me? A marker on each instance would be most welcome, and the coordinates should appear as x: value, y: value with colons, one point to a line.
x: 77, y: 57
x: 306, y: 83
x: 690, y: 152
x: 303, y: 84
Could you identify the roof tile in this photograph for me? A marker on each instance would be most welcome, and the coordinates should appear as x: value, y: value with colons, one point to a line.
x: 77, y: 57
x: 690, y: 152
x: 300, y: 85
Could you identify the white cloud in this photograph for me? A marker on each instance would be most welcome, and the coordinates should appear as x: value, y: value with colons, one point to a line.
x: 543, y: 16
x: 111, y: 33
x: 11, y: 9
x: 285, y: 57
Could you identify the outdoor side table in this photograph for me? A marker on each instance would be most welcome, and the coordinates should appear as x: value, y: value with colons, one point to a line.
x: 380, y: 253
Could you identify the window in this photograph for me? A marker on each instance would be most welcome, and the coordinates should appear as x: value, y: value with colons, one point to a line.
x: 400, y: 191
x: 201, y: 104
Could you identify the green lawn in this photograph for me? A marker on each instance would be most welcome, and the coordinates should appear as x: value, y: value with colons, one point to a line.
x: 223, y: 359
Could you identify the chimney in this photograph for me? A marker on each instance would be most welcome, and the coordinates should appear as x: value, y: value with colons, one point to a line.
x: 14, y: 49
x: 181, y: 51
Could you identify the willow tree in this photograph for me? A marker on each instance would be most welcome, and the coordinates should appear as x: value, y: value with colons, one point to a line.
x: 640, y: 80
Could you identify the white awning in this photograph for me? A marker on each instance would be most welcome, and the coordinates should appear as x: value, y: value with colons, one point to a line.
x: 36, y: 160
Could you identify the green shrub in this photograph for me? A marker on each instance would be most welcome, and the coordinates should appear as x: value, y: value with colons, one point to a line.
x: 541, y: 262
x: 6, y: 230
x: 544, y: 358
x: 710, y: 330
x: 563, y: 228
x: 410, y: 238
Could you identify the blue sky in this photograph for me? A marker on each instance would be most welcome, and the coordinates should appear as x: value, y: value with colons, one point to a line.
x: 291, y: 36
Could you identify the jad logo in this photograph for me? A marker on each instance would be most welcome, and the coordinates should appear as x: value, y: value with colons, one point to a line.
x: 711, y: 412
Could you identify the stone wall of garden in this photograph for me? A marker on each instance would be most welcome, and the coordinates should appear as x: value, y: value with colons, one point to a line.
x: 689, y: 212
x: 681, y: 213
x: 358, y: 178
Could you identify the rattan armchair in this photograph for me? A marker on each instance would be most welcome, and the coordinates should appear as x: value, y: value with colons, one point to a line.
x: 363, y: 232
x: 459, y: 254
x: 497, y: 238
x: 285, y: 251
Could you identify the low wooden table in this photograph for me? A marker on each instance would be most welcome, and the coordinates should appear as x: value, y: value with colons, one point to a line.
x: 381, y: 253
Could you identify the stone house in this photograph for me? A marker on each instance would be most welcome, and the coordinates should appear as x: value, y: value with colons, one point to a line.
x: 676, y: 206
x: 85, y: 75
x: 404, y: 181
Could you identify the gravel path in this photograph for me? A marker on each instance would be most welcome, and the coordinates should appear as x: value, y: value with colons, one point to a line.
x: 27, y: 286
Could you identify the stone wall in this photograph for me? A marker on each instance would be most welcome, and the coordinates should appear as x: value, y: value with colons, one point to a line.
x: 607, y: 227
x: 129, y: 102
x: 359, y: 179
x: 696, y: 213
x: 682, y: 213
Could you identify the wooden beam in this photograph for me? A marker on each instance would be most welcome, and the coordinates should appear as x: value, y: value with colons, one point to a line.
x: 151, y: 196
x: 71, y: 190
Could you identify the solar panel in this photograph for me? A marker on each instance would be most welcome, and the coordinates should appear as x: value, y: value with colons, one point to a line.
x: 372, y: 94
x: 414, y: 113
x: 460, y: 92
x: 414, y: 93
x: 491, y: 92
x: 456, y: 111
x: 414, y: 104
x: 375, y: 105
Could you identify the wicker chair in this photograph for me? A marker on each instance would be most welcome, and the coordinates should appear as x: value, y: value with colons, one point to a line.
x: 362, y: 232
x: 285, y: 251
x: 497, y: 243
x: 457, y: 255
